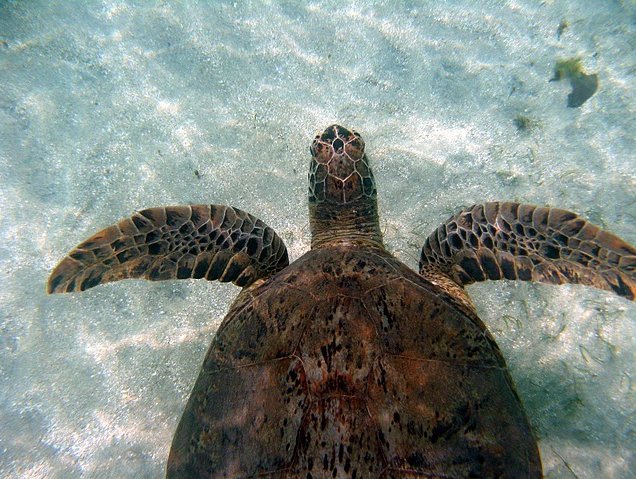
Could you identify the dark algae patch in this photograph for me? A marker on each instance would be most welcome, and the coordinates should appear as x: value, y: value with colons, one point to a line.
x: 524, y: 123
x: 583, y: 85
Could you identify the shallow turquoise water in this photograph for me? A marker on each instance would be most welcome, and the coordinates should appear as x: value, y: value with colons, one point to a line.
x: 111, y: 107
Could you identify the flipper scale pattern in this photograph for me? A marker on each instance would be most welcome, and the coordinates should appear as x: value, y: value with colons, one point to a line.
x: 503, y: 240
x: 175, y: 242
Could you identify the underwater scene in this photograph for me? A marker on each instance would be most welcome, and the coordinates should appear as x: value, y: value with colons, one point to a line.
x: 110, y: 107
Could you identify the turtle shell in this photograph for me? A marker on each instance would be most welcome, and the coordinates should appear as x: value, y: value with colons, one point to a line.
x: 349, y: 364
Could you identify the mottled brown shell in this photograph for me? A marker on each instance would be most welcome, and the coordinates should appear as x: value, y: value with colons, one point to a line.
x: 348, y: 364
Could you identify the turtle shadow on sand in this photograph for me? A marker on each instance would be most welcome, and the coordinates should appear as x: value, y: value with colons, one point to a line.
x: 347, y: 363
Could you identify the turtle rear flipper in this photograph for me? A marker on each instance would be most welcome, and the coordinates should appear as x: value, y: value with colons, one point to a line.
x: 174, y: 242
x: 516, y: 241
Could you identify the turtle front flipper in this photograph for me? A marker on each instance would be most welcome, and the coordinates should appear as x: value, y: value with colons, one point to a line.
x: 516, y: 241
x: 174, y: 242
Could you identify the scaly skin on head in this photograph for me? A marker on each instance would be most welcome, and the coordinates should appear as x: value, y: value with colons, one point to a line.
x: 342, y: 194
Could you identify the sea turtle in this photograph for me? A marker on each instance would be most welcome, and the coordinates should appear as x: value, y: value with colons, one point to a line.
x: 346, y: 363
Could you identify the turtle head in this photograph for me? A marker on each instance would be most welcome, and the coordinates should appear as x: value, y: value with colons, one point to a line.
x: 339, y: 171
x: 342, y: 192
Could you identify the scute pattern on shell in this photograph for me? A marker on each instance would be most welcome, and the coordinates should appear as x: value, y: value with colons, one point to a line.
x: 378, y: 374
